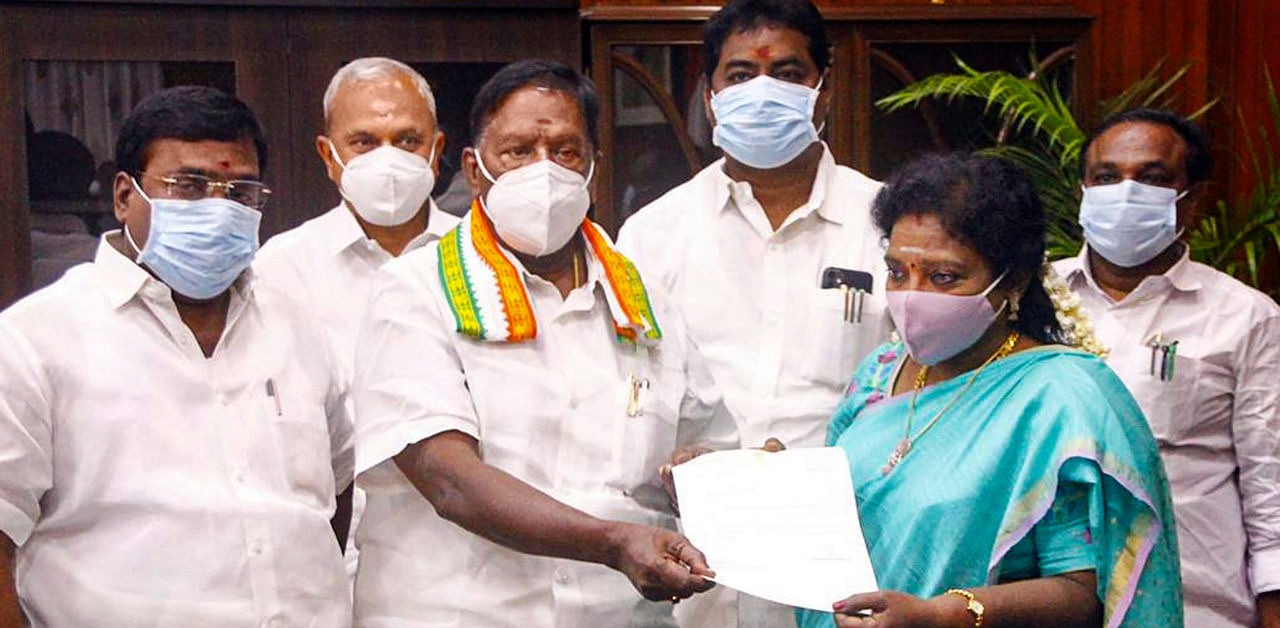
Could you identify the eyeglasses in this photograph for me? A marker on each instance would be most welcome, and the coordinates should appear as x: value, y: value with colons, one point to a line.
x: 193, y: 187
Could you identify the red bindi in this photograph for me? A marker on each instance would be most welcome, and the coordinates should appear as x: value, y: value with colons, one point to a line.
x: 763, y: 52
x: 226, y: 165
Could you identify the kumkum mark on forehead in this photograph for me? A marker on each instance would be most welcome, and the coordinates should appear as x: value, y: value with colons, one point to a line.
x: 763, y: 52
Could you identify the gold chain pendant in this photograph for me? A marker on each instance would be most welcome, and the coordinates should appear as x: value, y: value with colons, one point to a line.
x: 904, y: 446
x: 898, y: 454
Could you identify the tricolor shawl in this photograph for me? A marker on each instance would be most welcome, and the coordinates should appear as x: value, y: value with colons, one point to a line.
x: 490, y: 301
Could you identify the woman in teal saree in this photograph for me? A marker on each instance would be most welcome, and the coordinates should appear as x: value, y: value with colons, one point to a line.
x: 1003, y: 479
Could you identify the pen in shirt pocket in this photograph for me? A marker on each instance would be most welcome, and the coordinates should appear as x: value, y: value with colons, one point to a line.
x: 275, y: 396
x: 635, y: 402
x: 1170, y: 359
x: 1163, y: 354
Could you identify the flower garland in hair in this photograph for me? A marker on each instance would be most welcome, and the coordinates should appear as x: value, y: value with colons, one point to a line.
x: 1076, y: 328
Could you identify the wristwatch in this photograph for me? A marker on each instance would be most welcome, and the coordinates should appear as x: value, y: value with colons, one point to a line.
x: 972, y: 605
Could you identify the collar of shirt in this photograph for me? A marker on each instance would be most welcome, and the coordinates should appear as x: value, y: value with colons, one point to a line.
x: 122, y: 278
x: 1181, y: 276
x: 576, y: 301
x: 740, y: 192
x: 345, y: 231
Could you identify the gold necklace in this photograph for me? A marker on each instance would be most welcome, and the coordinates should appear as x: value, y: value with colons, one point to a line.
x: 904, y: 445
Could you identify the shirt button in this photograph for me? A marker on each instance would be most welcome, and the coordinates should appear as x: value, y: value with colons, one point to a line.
x: 573, y: 402
x: 256, y: 550
x: 240, y: 477
x: 562, y: 577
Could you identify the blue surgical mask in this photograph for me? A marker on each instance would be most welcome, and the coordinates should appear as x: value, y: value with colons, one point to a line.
x: 1129, y: 223
x: 198, y: 248
x: 764, y: 122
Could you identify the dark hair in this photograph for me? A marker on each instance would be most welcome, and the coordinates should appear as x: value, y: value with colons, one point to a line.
x: 991, y: 207
x: 1199, y: 160
x: 59, y: 166
x: 535, y: 73
x: 741, y: 16
x: 189, y: 113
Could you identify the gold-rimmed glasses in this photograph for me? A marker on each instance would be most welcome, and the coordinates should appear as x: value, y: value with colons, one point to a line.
x: 189, y: 186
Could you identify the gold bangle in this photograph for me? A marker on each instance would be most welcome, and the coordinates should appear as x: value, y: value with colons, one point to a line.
x: 975, y: 608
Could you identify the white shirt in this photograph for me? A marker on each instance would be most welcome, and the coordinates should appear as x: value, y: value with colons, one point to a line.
x: 1217, y: 422
x: 776, y: 343
x: 148, y: 485
x: 328, y: 264
x: 550, y: 411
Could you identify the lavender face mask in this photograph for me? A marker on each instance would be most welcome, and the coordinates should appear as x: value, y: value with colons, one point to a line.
x: 937, y: 326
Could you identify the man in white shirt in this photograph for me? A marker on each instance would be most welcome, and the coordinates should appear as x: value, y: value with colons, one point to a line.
x: 172, y: 437
x: 380, y: 119
x: 516, y: 389
x: 742, y: 247
x: 1199, y: 350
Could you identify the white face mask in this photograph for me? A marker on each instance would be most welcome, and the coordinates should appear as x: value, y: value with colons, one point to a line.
x: 537, y: 208
x: 1129, y: 223
x: 387, y: 185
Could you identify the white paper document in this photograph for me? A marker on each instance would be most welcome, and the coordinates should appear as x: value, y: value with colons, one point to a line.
x: 781, y: 526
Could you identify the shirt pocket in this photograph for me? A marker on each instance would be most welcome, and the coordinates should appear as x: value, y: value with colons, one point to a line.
x: 827, y: 343
x: 301, y: 430
x: 646, y: 437
x: 1166, y: 403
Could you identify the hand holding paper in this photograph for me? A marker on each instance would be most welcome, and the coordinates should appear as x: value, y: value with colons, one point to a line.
x: 781, y: 526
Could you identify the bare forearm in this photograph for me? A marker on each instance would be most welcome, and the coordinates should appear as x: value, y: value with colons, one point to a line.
x: 1269, y: 609
x: 1066, y: 601
x: 487, y: 501
x: 10, y: 612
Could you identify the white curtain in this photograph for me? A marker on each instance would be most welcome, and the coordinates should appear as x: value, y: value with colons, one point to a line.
x: 88, y: 99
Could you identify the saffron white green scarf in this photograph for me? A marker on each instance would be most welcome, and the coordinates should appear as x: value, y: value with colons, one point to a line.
x: 490, y: 301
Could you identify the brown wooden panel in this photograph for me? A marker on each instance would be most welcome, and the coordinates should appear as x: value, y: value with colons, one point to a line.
x: 15, y: 239
x: 257, y: 40
x: 349, y: 4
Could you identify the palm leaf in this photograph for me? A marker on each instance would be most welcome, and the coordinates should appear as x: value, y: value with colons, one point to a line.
x: 1024, y: 103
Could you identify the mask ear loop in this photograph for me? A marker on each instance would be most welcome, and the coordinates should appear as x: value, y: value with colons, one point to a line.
x: 484, y: 171
x: 1176, y: 199
x: 991, y: 287
x: 813, y: 105
x: 137, y: 251
x: 333, y: 152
